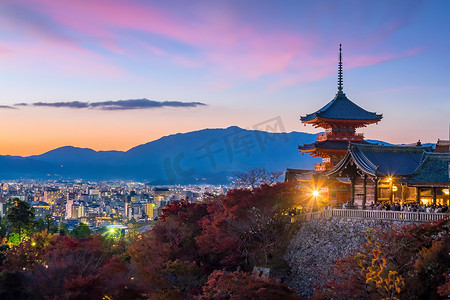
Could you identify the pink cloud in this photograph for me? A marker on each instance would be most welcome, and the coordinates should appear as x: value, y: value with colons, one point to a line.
x: 327, y: 67
x: 72, y: 60
x: 367, y: 60
x: 4, y: 51
x: 231, y: 45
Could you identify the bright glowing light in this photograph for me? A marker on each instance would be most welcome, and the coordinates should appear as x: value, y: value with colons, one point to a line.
x: 315, y: 193
x: 390, y: 179
x: 111, y: 230
x: 445, y: 191
x: 394, y: 188
x: 33, y: 244
x: 425, y: 201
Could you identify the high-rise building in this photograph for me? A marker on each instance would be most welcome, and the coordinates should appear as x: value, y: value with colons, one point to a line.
x: 69, y: 205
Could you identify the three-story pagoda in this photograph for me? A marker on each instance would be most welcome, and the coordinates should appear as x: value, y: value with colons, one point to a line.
x: 340, y: 118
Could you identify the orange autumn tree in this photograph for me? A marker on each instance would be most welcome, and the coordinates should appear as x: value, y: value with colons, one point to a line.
x: 409, y: 261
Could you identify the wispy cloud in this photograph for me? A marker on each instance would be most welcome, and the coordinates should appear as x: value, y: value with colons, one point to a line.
x: 115, y: 105
x: 6, y: 107
x: 72, y: 104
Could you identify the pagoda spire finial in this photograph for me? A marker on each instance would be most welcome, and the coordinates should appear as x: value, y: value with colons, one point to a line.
x: 340, y: 69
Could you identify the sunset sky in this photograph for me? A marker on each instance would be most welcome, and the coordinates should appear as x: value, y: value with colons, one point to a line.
x: 72, y: 72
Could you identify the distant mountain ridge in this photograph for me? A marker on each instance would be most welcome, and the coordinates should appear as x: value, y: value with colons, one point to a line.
x: 204, y: 156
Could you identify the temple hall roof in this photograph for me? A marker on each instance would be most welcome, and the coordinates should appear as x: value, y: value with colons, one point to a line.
x: 378, y: 160
x: 433, y: 170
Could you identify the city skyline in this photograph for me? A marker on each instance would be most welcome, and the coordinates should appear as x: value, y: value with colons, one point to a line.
x: 179, y: 67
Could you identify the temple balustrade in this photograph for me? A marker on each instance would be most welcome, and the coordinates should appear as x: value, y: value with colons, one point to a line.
x: 370, y: 214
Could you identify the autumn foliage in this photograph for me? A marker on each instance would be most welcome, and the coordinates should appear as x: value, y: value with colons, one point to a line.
x: 208, y: 250
x: 409, y: 262
x: 51, y: 266
x: 242, y: 285
x: 196, y: 250
x: 237, y: 231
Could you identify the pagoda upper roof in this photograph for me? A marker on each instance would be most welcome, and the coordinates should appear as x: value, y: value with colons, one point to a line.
x: 340, y: 109
x: 378, y: 160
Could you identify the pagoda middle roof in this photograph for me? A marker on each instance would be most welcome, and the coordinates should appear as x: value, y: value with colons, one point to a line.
x: 328, y: 144
x: 341, y: 108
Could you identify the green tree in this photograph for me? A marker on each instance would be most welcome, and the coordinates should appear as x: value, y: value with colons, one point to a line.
x: 39, y: 225
x: 60, y: 228
x: 82, y: 231
x: 49, y: 222
x: 20, y: 216
x: 4, y: 226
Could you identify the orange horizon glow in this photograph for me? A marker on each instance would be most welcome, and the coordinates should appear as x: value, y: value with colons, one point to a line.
x: 33, y: 131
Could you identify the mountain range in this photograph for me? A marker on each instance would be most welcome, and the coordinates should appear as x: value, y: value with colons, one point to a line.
x: 204, y: 156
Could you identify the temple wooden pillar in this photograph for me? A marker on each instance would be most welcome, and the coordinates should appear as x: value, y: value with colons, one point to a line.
x: 403, y: 195
x: 364, y: 192
x: 418, y: 195
x: 375, y: 192
x: 352, y: 199
x: 434, y: 195
x: 391, y: 192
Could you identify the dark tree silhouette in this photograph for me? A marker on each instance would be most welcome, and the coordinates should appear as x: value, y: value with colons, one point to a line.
x: 251, y: 178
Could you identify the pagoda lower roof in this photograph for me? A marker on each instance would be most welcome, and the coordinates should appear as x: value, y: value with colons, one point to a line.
x: 327, y: 145
x: 342, y: 109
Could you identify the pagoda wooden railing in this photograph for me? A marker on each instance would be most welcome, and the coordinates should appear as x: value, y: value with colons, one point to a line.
x: 371, y: 214
x: 340, y: 136
x: 321, y: 166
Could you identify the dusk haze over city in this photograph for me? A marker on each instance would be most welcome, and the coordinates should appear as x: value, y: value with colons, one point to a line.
x: 227, y: 150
